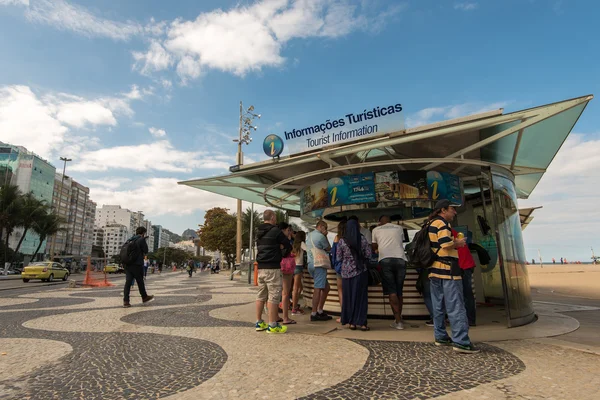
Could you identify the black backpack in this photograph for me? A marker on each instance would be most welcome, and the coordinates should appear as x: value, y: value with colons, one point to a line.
x: 130, y: 252
x: 420, y: 254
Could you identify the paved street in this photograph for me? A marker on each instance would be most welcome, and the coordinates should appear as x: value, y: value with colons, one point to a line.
x: 190, y: 343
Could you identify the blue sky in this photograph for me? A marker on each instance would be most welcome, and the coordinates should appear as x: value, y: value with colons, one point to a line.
x: 142, y: 94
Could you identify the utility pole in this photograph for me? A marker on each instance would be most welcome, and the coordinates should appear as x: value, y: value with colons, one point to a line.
x: 246, y: 126
x: 62, y: 183
x: 239, y: 161
x: 251, y: 244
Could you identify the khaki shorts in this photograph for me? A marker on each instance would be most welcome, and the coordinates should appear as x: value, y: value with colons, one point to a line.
x: 269, y: 285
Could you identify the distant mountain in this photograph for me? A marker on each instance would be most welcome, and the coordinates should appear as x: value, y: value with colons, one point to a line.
x: 189, y: 233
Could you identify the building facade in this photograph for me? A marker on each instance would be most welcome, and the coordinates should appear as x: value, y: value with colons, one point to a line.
x: 32, y: 174
x: 114, y: 214
x: 161, y: 238
x: 113, y: 237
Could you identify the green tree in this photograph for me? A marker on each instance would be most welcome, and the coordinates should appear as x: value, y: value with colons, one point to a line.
x: 218, y: 232
x: 171, y: 255
x: 30, y: 211
x: 10, y: 204
x: 48, y: 225
x: 282, y: 216
x: 247, y: 216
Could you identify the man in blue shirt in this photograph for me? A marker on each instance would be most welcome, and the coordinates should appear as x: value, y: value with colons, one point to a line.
x: 316, y: 241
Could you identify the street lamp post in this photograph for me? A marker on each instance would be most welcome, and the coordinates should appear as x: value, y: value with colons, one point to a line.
x: 62, y: 183
x: 246, y: 127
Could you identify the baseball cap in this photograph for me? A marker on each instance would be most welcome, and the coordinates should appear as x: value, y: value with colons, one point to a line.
x: 444, y: 204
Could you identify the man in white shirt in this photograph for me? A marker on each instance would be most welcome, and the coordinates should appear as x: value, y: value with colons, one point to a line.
x: 387, y: 240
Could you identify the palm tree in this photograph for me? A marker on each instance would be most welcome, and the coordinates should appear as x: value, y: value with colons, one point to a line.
x: 10, y: 203
x: 31, y: 210
x: 282, y: 216
x: 247, y: 216
x: 48, y: 225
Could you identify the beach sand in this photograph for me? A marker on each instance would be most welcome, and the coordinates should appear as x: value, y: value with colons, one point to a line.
x: 570, y: 279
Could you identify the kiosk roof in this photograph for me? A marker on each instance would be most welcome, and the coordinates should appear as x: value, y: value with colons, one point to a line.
x: 523, y: 142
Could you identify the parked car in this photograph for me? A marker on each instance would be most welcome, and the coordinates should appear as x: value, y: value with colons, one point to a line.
x: 113, y: 269
x: 47, y: 271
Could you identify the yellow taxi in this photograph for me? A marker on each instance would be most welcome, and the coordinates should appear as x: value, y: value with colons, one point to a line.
x: 112, y: 269
x: 47, y: 271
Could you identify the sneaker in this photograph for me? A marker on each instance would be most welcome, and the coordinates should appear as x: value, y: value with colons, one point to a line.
x: 324, y: 316
x: 147, y: 299
x: 468, y: 349
x: 443, y: 342
x: 320, y: 317
x: 261, y: 326
x: 126, y: 304
x: 297, y: 311
x: 277, y: 329
x: 429, y: 323
x: 397, y: 325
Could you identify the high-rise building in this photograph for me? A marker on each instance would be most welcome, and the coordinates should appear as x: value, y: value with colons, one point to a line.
x: 114, y: 235
x: 114, y: 214
x: 161, y: 238
x: 32, y: 174
x: 76, y: 207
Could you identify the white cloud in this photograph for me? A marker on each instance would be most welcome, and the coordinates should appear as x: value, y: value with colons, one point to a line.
x: 248, y: 38
x: 70, y: 17
x: 160, y: 196
x: 566, y: 225
x: 46, y: 122
x: 157, y: 132
x: 436, y: 114
x: 25, y: 120
x: 466, y: 6
x: 80, y: 114
x: 14, y: 2
x: 155, y: 59
x: 111, y: 183
x: 157, y: 156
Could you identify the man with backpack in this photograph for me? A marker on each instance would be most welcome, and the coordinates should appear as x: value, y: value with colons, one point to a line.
x: 437, y: 250
x: 132, y: 256
x: 445, y: 278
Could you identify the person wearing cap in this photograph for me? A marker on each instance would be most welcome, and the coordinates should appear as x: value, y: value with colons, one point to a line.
x: 445, y: 277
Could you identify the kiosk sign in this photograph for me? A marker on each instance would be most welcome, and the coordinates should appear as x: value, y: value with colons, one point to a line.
x: 372, y: 122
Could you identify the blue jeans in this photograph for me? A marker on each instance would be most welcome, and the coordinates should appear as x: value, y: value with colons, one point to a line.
x: 427, y: 296
x: 468, y: 295
x: 447, y: 296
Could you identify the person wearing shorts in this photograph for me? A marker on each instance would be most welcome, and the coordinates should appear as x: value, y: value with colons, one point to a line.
x: 272, y: 246
x: 318, y: 239
x: 387, y: 240
x: 299, y: 251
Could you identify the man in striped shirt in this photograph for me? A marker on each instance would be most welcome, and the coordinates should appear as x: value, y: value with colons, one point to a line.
x: 445, y: 280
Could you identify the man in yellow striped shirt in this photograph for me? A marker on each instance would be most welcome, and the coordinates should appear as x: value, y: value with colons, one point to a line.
x: 445, y: 281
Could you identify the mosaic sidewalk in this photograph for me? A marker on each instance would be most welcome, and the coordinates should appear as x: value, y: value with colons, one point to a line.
x: 81, y: 344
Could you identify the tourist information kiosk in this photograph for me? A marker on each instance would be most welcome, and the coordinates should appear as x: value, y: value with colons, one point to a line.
x: 368, y: 164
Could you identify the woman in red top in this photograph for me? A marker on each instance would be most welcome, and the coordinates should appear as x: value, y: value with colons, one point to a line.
x: 467, y: 264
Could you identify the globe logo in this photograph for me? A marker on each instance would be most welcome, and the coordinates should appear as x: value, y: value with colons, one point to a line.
x: 273, y: 146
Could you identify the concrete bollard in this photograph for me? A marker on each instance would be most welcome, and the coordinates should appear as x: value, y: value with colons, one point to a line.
x: 72, y: 284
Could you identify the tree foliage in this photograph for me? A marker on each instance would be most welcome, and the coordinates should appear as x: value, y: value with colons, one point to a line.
x: 247, y: 216
x: 24, y: 210
x: 218, y: 232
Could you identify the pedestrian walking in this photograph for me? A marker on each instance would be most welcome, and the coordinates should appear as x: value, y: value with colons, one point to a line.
x: 353, y: 251
x: 133, y: 251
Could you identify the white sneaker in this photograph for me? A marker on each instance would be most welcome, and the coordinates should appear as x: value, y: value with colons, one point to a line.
x: 397, y: 325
